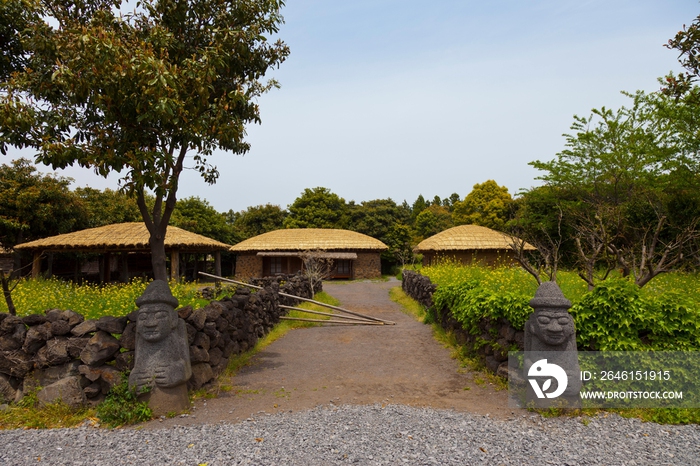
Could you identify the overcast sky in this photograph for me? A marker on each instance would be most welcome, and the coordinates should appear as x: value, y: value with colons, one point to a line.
x: 396, y: 98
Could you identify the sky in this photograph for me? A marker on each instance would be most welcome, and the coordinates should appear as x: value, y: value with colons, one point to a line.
x: 395, y: 98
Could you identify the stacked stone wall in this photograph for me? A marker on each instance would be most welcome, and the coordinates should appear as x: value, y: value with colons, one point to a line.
x: 62, y: 355
x: 494, y: 339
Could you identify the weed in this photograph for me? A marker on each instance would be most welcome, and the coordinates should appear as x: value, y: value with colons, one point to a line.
x: 54, y: 415
x: 122, y: 407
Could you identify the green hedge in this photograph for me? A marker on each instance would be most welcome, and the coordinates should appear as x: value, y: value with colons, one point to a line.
x: 615, y: 316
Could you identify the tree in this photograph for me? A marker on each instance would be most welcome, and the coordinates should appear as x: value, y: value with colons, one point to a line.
x: 400, y: 242
x: 317, y: 267
x: 488, y: 205
x: 108, y: 207
x: 317, y: 208
x: 621, y: 166
x: 198, y: 216
x: 33, y: 205
x: 135, y: 94
x: 418, y: 206
x: 451, y: 201
x: 432, y: 220
x: 256, y: 220
x: 687, y: 42
x: 377, y: 217
x: 15, y: 17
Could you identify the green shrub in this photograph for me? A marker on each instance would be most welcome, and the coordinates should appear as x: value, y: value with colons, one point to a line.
x: 615, y: 316
x: 121, y: 406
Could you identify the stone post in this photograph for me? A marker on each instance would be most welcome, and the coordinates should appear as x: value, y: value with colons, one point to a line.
x: 162, y: 356
x: 550, y: 350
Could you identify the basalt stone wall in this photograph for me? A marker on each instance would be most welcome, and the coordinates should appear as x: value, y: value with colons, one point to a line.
x: 491, y: 343
x: 64, y: 356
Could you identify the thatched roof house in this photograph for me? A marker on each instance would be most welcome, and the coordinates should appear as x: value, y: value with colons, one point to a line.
x: 353, y: 255
x: 126, y: 239
x: 469, y: 244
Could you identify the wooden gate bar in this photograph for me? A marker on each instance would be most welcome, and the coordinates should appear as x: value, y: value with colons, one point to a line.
x: 327, y: 314
x: 324, y: 321
x: 377, y: 319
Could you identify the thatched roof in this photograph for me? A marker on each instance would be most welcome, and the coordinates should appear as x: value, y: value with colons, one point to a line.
x: 468, y: 238
x: 303, y: 239
x: 122, y: 237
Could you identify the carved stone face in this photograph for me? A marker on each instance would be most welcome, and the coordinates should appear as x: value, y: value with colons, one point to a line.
x: 154, y: 322
x: 554, y: 327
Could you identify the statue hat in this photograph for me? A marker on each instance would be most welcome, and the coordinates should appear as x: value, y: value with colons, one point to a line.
x: 157, y: 291
x: 549, y: 295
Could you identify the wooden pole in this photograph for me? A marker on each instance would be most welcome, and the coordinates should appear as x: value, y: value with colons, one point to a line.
x: 124, y: 266
x: 175, y: 266
x: 330, y: 306
x: 331, y: 321
x: 107, y: 267
x: 36, y: 265
x: 217, y: 263
x: 326, y: 314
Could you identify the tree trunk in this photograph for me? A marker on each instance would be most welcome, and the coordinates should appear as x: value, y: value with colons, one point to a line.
x: 7, y: 293
x: 158, y: 258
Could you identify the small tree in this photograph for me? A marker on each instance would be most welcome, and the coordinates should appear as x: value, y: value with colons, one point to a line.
x: 317, y: 267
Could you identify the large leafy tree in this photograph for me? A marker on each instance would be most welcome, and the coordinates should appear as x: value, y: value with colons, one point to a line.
x: 256, y: 220
x: 108, y: 206
x: 431, y: 221
x: 34, y: 205
x: 15, y: 16
x: 488, y: 205
x: 317, y: 208
x: 377, y: 217
x: 198, y: 216
x: 135, y: 94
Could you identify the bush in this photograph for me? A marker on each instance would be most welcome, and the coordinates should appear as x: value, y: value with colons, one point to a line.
x: 615, y: 316
x: 121, y: 407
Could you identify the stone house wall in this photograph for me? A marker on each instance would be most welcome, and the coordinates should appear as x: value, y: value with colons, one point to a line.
x: 491, y: 344
x: 367, y: 265
x: 248, y: 266
x: 62, y: 355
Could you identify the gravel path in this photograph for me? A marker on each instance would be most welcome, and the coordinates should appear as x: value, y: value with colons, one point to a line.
x: 365, y: 435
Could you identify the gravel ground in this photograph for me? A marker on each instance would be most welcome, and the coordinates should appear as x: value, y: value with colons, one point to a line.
x: 366, y: 435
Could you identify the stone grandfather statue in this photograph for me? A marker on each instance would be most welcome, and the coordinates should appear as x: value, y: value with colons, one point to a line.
x: 162, y: 357
x: 550, y: 341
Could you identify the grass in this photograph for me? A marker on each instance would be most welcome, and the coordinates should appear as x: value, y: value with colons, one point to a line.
x: 408, y: 305
x: 574, y: 288
x: 29, y: 415
x: 34, y: 296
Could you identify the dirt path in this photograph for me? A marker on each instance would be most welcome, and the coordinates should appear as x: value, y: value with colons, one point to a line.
x: 399, y: 364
